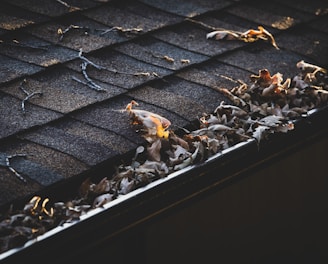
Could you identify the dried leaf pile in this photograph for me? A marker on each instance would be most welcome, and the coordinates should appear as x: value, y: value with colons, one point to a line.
x: 267, y: 105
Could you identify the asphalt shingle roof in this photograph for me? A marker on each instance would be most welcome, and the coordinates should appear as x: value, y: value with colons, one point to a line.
x: 154, y: 52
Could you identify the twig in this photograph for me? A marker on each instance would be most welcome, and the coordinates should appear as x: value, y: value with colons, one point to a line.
x: 71, y: 8
x: 204, y: 25
x: 89, y: 82
x: 121, y: 29
x: 66, y: 30
x: 99, y: 67
x: 28, y: 95
x: 8, y: 165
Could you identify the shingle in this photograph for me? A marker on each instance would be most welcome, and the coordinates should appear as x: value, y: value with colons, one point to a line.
x: 215, y: 74
x: 195, y: 98
x: 310, y: 43
x: 159, y: 53
x: 223, y: 20
x: 14, y: 120
x: 269, y: 14
x: 120, y: 69
x: 35, y: 171
x: 12, y: 188
x: 116, y: 15
x: 108, y: 116
x: 178, y: 104
x: 11, y: 23
x: 187, y: 8
x: 53, y: 8
x: 160, y: 18
x: 320, y: 23
x: 13, y: 17
x: 192, y: 37
x: 81, y: 148
x: 61, y: 163
x: 315, y: 7
x: 81, y: 33
x: 95, y: 134
x: 27, y: 48
x: 57, y: 86
x: 253, y: 59
x: 11, y: 69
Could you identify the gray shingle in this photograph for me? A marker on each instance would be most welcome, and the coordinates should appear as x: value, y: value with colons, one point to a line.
x: 192, y: 37
x: 117, y: 15
x: 310, y: 43
x: 26, y: 48
x: 14, y: 120
x: 13, y: 17
x: 11, y: 69
x: 253, y: 59
x: 120, y: 69
x: 159, y: 53
x: 187, y: 8
x: 215, y: 74
x: 57, y: 85
x: 56, y: 161
x: 83, y: 34
x: 53, y: 8
x: 269, y: 14
x: 81, y: 148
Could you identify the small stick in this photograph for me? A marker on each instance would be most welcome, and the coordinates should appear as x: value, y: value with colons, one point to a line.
x: 28, y: 95
x: 89, y: 82
x: 8, y: 165
x: 99, y: 67
x: 71, y: 8
x: 69, y: 28
x: 121, y: 29
x: 92, y: 85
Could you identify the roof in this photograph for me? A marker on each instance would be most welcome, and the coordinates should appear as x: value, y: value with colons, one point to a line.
x: 154, y: 52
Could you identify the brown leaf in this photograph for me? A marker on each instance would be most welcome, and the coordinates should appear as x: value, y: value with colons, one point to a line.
x: 153, y: 152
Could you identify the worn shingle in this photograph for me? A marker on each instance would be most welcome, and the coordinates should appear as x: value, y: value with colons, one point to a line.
x: 76, y: 32
x: 11, y: 69
x: 159, y: 53
x: 57, y: 85
x: 269, y: 14
x: 120, y: 70
x: 14, y: 120
x: 187, y: 8
x: 254, y: 58
x: 13, y: 17
x: 134, y: 16
x: 53, y: 8
x: 191, y: 93
x: 215, y: 74
x: 192, y: 37
x: 56, y: 161
x: 27, y: 48
x: 306, y: 41
x: 81, y: 148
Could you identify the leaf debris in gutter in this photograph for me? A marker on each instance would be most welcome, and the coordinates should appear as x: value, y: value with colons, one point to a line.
x: 267, y: 105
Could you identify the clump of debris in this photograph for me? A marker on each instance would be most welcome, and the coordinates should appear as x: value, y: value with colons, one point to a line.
x: 268, y: 104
